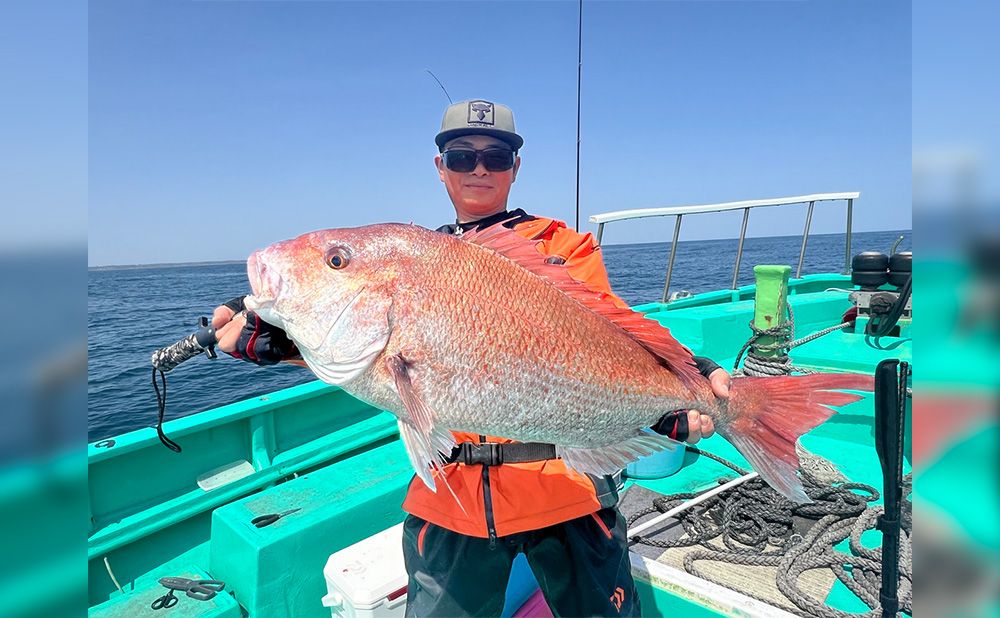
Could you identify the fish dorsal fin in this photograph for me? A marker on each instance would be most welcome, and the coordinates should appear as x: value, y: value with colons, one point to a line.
x: 649, y: 334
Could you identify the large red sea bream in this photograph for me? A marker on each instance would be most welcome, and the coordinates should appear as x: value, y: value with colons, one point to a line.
x: 480, y: 334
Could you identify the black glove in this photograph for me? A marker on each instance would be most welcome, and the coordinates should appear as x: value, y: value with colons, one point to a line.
x: 706, y: 366
x: 675, y: 424
x: 259, y: 342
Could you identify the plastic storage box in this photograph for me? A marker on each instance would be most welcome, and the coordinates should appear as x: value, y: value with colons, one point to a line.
x: 657, y: 465
x: 368, y: 579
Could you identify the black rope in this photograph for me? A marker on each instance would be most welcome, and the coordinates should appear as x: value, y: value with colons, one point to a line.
x: 757, y: 525
x: 161, y: 402
x: 728, y: 464
x: 880, y: 324
x: 753, y: 514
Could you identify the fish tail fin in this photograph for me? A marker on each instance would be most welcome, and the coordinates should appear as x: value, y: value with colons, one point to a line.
x: 768, y: 415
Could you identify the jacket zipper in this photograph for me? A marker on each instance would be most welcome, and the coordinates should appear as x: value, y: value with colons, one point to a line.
x: 488, y: 502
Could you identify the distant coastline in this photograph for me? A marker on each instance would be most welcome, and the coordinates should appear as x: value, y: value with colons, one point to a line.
x: 619, y: 244
x: 164, y: 265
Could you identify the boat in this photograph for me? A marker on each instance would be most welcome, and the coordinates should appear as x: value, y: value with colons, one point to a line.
x: 336, y: 472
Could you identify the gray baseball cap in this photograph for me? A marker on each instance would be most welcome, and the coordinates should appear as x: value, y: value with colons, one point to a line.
x: 478, y: 118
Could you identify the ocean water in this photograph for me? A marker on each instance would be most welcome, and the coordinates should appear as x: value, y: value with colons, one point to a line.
x: 135, y: 310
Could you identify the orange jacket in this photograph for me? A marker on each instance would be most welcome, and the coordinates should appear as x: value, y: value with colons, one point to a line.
x: 511, y: 498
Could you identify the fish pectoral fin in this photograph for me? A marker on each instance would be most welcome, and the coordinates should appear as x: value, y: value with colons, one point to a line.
x: 426, y: 459
x: 418, y: 448
x: 610, y: 459
x: 434, y: 441
x: 420, y: 415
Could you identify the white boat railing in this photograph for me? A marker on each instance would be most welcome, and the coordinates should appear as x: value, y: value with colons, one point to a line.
x: 746, y: 206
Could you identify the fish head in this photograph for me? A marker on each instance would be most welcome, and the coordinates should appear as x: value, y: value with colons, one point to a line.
x: 331, y: 291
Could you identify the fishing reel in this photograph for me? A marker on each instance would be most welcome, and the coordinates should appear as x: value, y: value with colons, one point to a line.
x: 165, y: 359
x: 870, y: 271
x: 203, y: 340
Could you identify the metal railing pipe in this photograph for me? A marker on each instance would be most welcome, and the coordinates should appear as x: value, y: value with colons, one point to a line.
x: 847, y: 250
x: 746, y: 206
x: 805, y: 239
x: 739, y: 247
x: 670, y: 264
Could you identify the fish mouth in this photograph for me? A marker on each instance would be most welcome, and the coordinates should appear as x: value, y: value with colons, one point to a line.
x: 265, y: 283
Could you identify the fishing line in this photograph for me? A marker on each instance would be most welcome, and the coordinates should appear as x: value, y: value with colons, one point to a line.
x: 440, y: 84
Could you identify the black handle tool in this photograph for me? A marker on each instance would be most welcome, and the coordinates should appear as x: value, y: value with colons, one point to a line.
x: 198, y: 589
x: 266, y: 520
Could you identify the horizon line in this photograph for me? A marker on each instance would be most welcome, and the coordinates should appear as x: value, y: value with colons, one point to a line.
x: 617, y: 244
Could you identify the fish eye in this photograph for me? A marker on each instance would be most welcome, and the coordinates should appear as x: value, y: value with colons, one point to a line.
x: 337, y: 258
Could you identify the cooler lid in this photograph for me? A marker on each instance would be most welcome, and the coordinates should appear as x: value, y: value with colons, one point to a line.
x: 370, y: 570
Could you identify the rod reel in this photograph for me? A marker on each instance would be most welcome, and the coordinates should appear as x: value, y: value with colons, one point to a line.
x: 168, y: 358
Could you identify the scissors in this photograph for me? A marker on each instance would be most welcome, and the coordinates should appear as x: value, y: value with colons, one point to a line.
x: 266, y: 520
x: 199, y: 589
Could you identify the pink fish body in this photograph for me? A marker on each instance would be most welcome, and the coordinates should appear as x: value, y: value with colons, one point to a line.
x: 481, y: 335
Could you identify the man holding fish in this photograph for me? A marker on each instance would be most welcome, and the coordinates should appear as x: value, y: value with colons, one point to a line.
x: 572, y: 373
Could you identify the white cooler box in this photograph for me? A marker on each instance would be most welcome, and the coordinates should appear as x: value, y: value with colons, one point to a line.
x: 368, y: 579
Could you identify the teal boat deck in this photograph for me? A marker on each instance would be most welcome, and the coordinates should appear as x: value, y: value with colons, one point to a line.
x: 315, y: 448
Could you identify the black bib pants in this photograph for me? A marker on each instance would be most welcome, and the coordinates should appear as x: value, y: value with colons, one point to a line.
x: 581, y: 570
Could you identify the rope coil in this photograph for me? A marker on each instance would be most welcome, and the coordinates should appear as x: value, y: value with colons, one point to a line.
x: 755, y: 526
x: 759, y: 365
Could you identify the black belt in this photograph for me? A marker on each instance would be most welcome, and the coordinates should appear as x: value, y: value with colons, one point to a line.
x: 494, y: 454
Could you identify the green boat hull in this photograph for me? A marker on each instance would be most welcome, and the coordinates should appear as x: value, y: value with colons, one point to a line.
x: 340, y: 461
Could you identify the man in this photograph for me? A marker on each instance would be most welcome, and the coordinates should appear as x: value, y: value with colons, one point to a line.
x: 566, y: 523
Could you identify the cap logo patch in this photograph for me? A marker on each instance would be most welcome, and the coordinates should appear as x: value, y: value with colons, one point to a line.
x: 481, y: 113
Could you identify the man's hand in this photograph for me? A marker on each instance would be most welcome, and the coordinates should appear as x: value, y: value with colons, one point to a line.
x: 700, y: 425
x: 228, y: 320
x: 242, y: 334
x: 693, y: 425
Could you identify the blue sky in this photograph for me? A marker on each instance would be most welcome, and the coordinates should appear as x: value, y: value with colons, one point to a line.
x: 217, y: 128
x: 956, y: 128
x: 43, y: 125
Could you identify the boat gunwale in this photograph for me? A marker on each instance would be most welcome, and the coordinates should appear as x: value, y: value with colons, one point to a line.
x: 213, y: 417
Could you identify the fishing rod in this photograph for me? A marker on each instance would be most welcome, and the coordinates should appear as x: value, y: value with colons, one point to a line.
x: 440, y: 84
x: 891, y: 378
x: 579, y: 77
x: 168, y: 358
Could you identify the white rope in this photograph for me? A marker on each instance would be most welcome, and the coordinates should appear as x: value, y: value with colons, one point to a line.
x: 107, y: 565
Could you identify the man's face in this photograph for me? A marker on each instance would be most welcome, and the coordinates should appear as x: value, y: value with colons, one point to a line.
x: 479, y: 193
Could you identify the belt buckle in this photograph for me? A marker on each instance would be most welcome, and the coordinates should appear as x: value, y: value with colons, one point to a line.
x: 488, y: 454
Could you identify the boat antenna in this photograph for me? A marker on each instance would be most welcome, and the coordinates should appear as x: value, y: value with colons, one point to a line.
x: 579, y: 74
x: 440, y: 84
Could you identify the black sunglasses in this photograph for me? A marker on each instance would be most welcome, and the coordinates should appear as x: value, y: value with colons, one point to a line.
x: 465, y: 160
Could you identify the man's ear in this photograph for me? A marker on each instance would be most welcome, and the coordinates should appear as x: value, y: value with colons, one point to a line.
x: 517, y: 164
x: 439, y: 164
